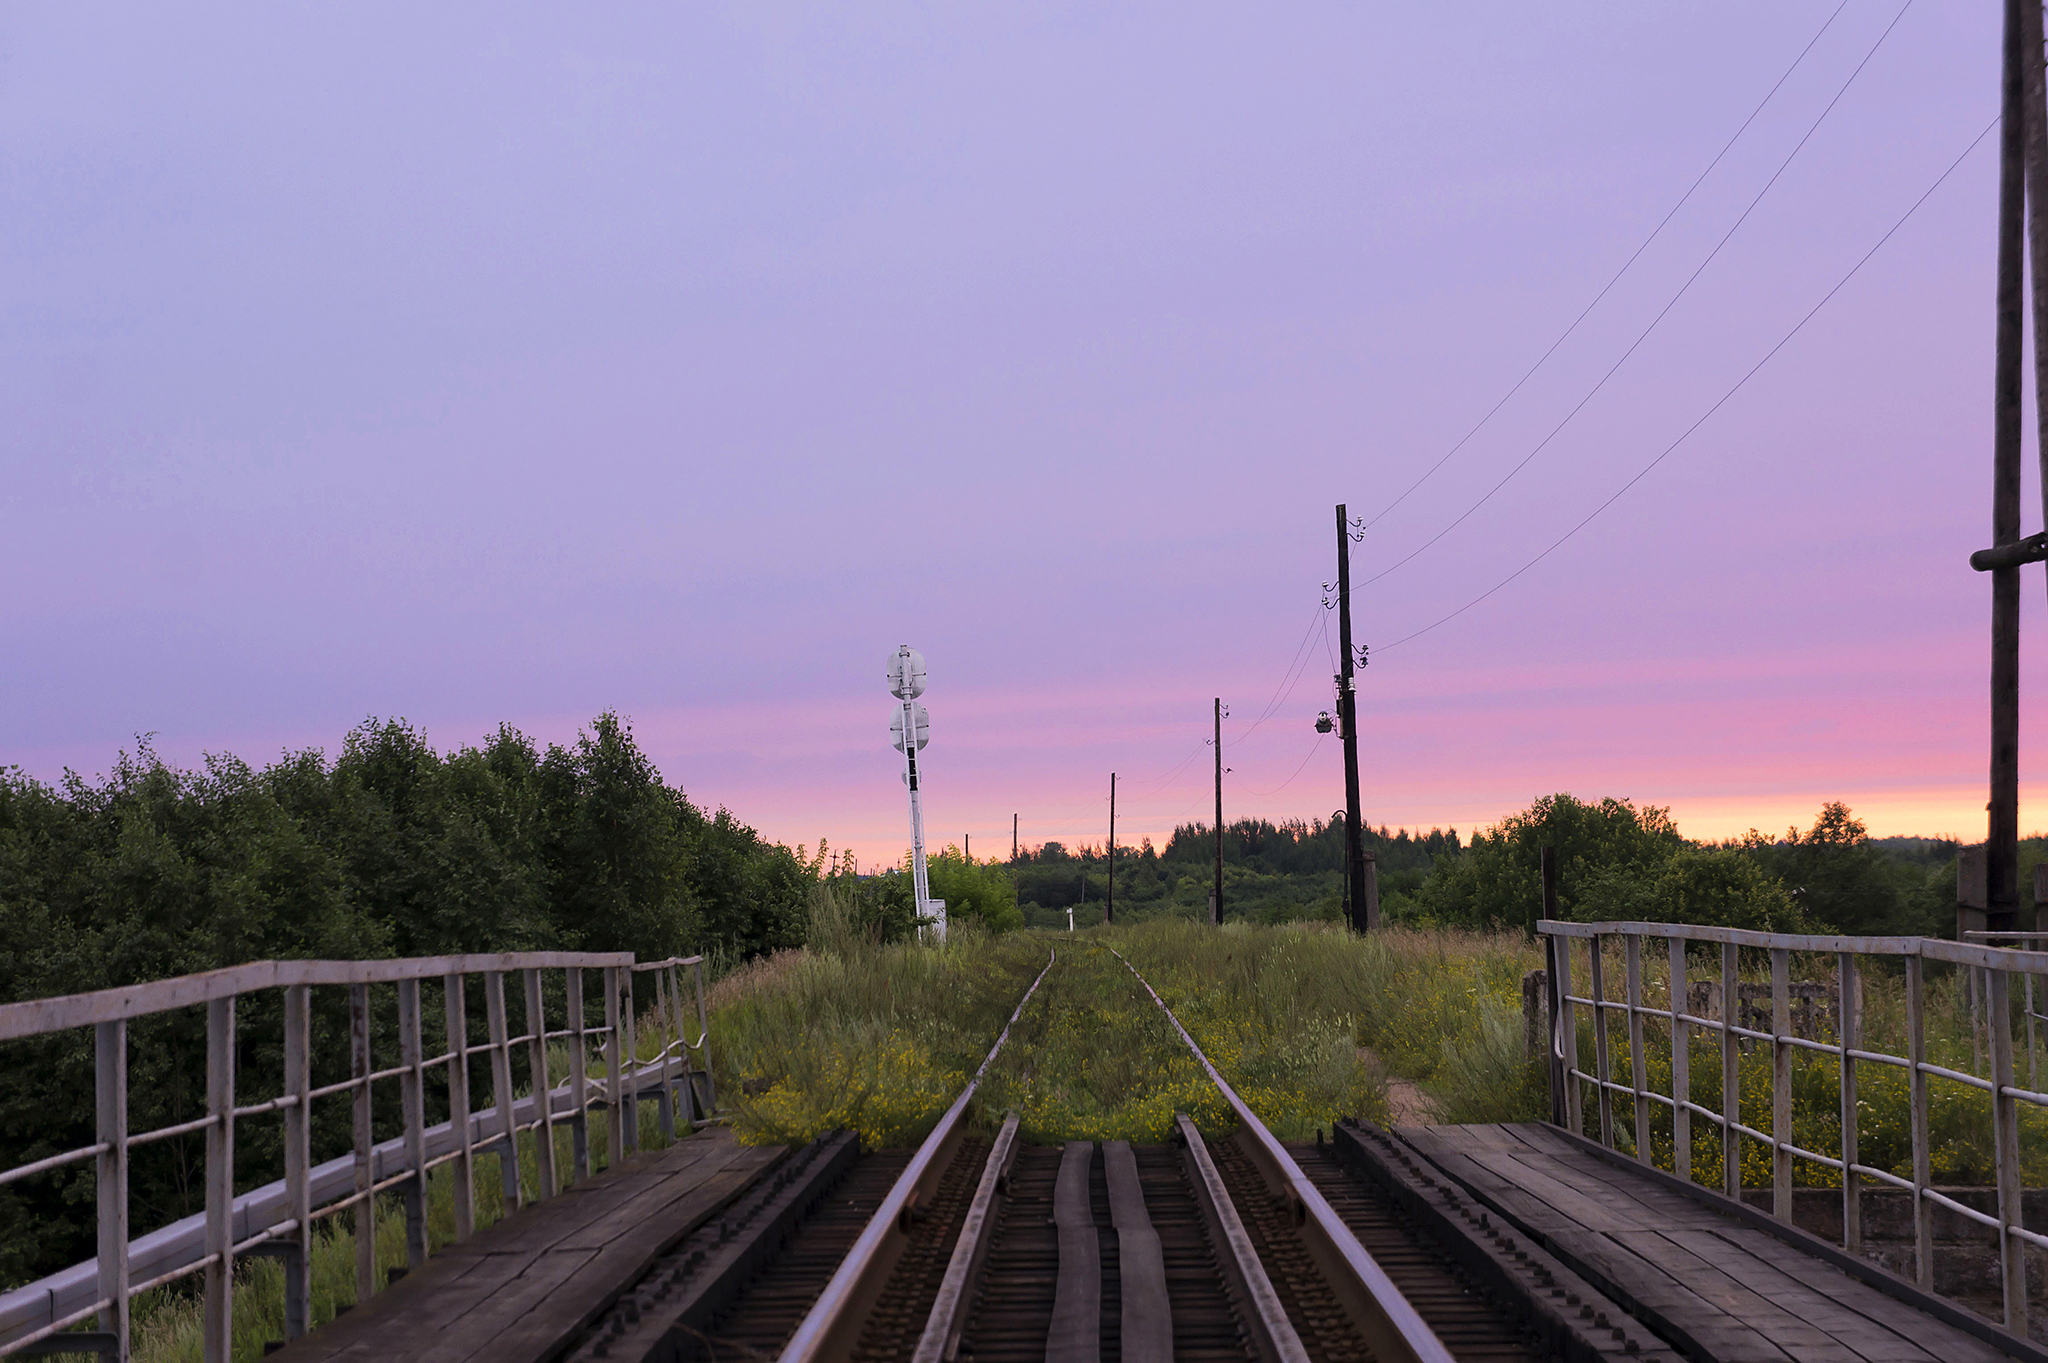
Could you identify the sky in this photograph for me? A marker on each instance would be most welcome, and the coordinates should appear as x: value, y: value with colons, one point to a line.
x: 512, y: 363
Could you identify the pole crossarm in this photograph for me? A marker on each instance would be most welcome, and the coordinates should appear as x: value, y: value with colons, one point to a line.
x: 2032, y: 549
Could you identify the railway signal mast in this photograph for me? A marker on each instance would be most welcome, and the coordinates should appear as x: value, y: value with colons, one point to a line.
x: 911, y: 727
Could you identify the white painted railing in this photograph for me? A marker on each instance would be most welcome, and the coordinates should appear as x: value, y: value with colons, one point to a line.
x: 277, y: 1219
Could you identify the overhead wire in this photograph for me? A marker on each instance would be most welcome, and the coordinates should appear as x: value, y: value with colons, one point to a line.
x: 1720, y: 402
x: 1288, y: 679
x: 1608, y: 287
x: 1661, y: 314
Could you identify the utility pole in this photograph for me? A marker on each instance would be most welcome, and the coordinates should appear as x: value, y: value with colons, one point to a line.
x: 967, y: 846
x: 1013, y: 837
x: 2001, y: 846
x: 1364, y: 908
x: 1216, y: 894
x: 1109, y: 905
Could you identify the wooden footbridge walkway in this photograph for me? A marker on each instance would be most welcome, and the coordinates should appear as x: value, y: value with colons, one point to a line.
x: 1421, y: 1244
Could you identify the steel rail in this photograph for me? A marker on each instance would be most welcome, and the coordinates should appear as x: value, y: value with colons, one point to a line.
x: 828, y: 1330
x: 1391, y: 1326
x: 940, y: 1342
x: 1272, y: 1333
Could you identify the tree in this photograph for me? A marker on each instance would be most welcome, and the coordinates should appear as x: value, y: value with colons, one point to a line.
x: 1709, y: 886
x: 1497, y: 878
x: 1843, y: 882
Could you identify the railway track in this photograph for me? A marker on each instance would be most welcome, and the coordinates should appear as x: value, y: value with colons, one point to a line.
x: 1203, y: 1249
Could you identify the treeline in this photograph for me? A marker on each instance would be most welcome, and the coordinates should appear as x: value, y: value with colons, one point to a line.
x: 1271, y: 872
x: 1615, y: 861
x: 389, y: 849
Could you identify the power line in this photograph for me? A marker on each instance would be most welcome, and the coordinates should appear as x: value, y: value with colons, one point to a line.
x: 1739, y: 383
x: 1288, y: 680
x: 1662, y: 313
x: 1655, y: 232
x: 1312, y: 749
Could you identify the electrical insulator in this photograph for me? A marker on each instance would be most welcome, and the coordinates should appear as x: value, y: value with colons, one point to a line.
x: 1323, y: 724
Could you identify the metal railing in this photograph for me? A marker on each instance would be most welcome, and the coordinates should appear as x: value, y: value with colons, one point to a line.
x: 1993, y: 966
x: 277, y: 1219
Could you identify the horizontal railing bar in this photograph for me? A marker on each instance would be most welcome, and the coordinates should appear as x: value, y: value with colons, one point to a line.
x: 57, y: 1161
x: 1885, y: 1176
x: 278, y: 1104
x: 1928, y: 948
x: 164, y: 1133
x: 55, y: 1327
x: 1946, y: 1073
x: 2039, y: 1099
x: 1971, y: 1212
x: 327, y: 1090
x: 182, y: 1271
x: 32, y: 1017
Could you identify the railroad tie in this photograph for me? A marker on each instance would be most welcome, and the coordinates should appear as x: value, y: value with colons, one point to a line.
x: 1147, y: 1314
x: 1076, y: 1333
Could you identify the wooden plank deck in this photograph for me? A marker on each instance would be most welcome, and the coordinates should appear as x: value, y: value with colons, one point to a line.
x: 1718, y: 1288
x: 522, y: 1290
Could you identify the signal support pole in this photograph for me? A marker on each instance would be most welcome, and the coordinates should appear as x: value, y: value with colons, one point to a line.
x: 1109, y: 904
x: 1364, y: 909
x: 1216, y: 894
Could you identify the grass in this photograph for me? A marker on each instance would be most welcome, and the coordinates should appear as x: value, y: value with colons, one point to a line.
x: 882, y: 1038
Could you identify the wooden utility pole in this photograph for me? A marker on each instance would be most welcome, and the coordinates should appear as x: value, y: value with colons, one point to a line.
x: 1109, y: 904
x: 1216, y: 894
x: 1013, y: 837
x: 967, y: 846
x: 2001, y: 850
x: 1359, y: 874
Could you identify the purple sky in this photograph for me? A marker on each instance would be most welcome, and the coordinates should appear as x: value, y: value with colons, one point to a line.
x: 509, y: 363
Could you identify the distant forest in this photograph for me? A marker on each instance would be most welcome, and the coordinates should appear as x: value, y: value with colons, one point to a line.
x: 1615, y: 861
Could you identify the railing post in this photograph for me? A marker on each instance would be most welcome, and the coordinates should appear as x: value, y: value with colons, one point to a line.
x: 110, y: 1085
x: 543, y: 1090
x: 579, y: 1074
x: 413, y: 1105
x: 1603, y: 1075
x: 1781, y: 1084
x: 462, y: 1175
x: 1681, y: 1065
x: 2005, y: 1120
x: 218, y: 1340
x: 614, y: 1127
x: 1916, y: 1055
x: 1849, y: 1031
x: 1553, y: 1059
x: 630, y: 1051
x: 501, y: 1090
x: 1568, y: 1039
x: 665, y: 1101
x: 709, y: 1102
x: 2033, y: 1055
x: 1731, y: 1072
x: 1639, y: 1072
x: 365, y: 1213
x: 298, y: 1159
